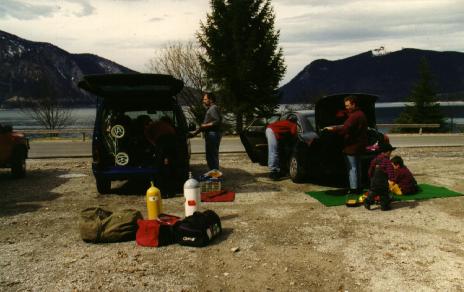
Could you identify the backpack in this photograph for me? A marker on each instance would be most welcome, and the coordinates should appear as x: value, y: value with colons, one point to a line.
x: 97, y: 225
x: 198, y: 229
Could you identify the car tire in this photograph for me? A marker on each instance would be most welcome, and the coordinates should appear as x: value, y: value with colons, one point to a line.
x: 18, y: 167
x: 296, y: 168
x: 103, y: 185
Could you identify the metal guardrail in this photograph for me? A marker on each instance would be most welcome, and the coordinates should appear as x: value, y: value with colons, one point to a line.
x: 419, y: 126
x: 83, y: 131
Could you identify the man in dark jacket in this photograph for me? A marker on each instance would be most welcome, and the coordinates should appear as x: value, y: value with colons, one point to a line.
x: 354, y: 133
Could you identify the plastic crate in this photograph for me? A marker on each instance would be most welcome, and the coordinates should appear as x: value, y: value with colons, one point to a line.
x: 209, y: 184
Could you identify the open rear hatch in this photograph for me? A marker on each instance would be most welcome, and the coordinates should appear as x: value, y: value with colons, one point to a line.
x: 122, y: 88
x: 328, y: 109
x: 125, y: 100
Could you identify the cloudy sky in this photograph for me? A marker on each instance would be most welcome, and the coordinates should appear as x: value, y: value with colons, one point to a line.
x: 130, y: 31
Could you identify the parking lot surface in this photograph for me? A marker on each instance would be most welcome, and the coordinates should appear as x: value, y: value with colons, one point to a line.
x: 276, y: 238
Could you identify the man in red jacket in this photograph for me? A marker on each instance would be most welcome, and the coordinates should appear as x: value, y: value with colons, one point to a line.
x: 277, y: 132
x: 354, y: 132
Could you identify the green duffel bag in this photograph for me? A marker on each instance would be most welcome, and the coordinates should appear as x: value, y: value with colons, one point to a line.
x: 98, y: 225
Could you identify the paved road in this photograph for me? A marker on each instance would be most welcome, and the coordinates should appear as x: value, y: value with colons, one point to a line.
x: 45, y: 149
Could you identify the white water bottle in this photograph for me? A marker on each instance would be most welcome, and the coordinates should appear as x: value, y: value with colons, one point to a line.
x: 192, y: 195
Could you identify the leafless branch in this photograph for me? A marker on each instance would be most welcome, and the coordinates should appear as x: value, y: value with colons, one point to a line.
x: 181, y: 61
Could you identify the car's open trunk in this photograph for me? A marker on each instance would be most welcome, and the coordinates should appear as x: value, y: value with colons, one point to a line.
x: 140, y: 86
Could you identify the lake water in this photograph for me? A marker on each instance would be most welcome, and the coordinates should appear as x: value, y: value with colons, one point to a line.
x: 85, y: 118
x: 386, y: 113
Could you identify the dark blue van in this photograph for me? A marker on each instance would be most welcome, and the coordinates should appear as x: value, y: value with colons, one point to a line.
x: 124, y: 145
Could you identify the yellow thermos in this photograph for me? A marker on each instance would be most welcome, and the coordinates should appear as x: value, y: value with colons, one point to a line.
x: 154, y: 203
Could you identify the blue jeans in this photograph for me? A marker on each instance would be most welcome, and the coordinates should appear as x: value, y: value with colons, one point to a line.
x: 212, y: 141
x: 353, y: 164
x: 272, y: 151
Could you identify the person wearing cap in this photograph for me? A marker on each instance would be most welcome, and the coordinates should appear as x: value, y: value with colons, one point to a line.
x: 354, y: 133
x: 383, y: 160
x: 382, y: 176
x: 276, y: 133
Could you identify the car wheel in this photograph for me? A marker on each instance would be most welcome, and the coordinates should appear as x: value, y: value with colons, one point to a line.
x: 18, y: 167
x: 103, y: 185
x: 296, y: 168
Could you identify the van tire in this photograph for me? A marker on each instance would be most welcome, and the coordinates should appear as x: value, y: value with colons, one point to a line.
x: 103, y: 185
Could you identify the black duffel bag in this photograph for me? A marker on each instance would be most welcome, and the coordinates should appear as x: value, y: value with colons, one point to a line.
x: 198, y: 229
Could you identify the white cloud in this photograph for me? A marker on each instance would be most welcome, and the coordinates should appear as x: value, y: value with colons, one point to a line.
x: 23, y: 10
x: 129, y: 31
x: 30, y: 9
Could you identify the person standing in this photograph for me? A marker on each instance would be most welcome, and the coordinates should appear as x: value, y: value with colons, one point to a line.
x: 278, y: 132
x: 211, y: 127
x: 354, y: 133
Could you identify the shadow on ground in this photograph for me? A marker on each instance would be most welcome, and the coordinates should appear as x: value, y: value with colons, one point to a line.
x: 239, y: 180
x: 35, y: 188
x: 134, y: 187
x: 404, y: 204
x: 234, y: 179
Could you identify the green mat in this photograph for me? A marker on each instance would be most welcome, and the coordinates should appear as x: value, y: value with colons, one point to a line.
x: 337, y: 197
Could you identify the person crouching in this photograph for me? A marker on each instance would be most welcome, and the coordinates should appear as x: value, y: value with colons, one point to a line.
x: 381, y: 173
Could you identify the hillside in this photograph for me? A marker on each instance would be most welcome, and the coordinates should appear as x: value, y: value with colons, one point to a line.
x: 390, y: 76
x: 31, y: 69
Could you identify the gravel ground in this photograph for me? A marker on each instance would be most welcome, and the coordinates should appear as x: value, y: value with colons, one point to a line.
x: 275, y: 237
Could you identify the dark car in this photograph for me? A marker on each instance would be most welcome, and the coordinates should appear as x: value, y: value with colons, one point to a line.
x: 14, y: 148
x: 315, y: 153
x: 122, y: 148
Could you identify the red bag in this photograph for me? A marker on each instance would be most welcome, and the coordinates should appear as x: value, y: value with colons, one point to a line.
x: 158, y: 232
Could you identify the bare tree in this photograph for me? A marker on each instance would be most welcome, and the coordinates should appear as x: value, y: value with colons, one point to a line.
x: 45, y: 107
x: 181, y: 60
x: 49, y: 113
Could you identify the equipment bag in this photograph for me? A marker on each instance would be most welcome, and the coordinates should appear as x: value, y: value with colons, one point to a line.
x: 198, y: 229
x: 98, y: 225
x: 158, y: 232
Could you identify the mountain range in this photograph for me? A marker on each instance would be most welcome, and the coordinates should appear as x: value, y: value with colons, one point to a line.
x: 31, y: 69
x: 391, y: 76
x: 28, y: 69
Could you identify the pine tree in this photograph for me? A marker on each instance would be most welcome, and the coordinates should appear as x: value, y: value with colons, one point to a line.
x: 425, y: 108
x: 243, y: 60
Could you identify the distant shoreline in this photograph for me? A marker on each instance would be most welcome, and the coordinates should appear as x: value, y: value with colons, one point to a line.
x: 386, y: 113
